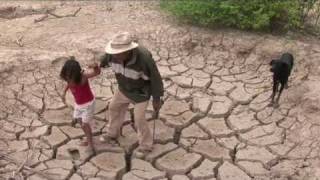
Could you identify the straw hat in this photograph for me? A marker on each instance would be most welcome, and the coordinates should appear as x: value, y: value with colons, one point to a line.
x: 120, y: 43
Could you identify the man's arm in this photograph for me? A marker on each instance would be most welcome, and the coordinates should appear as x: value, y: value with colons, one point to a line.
x: 157, y: 90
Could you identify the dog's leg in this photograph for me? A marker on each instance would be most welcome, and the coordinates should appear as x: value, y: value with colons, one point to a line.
x: 280, y: 92
x: 286, y: 80
x: 274, y: 90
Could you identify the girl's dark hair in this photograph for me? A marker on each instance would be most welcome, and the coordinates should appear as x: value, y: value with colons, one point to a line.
x: 71, y: 71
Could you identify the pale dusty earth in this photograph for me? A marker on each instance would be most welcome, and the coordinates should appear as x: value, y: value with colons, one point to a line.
x: 215, y: 123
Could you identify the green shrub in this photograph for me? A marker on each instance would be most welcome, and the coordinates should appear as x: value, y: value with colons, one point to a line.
x: 242, y: 14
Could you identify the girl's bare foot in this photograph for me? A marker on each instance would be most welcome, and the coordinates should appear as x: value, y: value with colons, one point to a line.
x: 90, y: 150
x: 83, y: 143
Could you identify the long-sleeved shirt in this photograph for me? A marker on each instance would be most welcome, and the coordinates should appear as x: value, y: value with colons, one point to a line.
x: 139, y: 77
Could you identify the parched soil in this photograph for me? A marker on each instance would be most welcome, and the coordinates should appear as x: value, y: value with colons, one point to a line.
x: 215, y: 123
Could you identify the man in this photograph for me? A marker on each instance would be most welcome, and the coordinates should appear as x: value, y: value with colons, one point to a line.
x: 138, y: 79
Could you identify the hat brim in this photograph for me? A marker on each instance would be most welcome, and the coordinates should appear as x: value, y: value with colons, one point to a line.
x: 111, y: 50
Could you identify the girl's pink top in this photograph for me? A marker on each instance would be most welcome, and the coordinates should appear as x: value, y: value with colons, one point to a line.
x: 81, y: 92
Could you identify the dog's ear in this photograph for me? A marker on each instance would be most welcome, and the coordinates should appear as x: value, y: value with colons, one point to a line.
x: 272, y: 62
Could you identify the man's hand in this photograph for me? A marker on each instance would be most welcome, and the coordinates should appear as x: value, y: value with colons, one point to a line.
x: 156, y: 108
x: 96, y: 70
x: 156, y: 103
x: 93, y: 65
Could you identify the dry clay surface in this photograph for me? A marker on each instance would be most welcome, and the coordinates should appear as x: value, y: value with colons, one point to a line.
x: 215, y: 123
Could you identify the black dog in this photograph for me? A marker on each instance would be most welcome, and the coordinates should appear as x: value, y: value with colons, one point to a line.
x: 281, y: 69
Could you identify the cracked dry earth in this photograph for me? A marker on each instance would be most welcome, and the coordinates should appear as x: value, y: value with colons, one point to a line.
x: 215, y: 123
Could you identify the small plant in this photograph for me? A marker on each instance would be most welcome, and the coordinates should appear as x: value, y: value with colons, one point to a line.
x: 318, y: 14
x: 305, y: 6
x: 253, y: 15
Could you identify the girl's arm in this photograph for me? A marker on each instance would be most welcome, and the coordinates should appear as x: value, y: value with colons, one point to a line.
x: 66, y: 89
x: 96, y: 71
x: 65, y: 92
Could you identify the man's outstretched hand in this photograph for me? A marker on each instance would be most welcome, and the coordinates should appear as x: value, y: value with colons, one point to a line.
x: 156, y: 103
x: 93, y: 65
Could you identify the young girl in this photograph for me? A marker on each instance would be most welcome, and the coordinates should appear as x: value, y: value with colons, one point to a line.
x: 78, y: 83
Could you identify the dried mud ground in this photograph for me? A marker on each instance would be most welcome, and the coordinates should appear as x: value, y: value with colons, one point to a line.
x: 215, y: 123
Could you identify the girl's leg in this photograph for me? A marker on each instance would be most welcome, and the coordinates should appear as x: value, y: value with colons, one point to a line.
x: 86, y: 126
x: 88, y: 132
x: 84, y: 142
